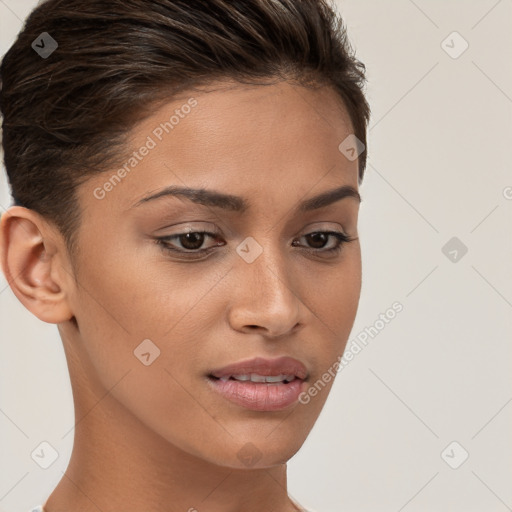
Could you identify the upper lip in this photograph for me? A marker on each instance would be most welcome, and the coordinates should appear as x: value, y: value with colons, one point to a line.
x: 265, y: 367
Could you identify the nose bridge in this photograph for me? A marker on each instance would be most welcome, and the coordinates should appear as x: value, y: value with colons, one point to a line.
x: 265, y: 296
x: 269, y: 269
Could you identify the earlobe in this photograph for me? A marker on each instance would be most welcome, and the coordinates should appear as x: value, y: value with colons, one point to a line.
x: 28, y: 254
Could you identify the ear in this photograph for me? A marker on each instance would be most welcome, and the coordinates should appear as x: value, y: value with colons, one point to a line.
x: 32, y: 255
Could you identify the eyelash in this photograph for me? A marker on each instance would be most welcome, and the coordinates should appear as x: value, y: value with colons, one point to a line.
x: 163, y: 242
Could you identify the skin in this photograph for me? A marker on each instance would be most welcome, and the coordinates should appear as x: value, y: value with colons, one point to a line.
x: 152, y: 435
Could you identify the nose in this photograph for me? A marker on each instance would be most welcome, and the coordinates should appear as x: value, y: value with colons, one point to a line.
x: 263, y: 298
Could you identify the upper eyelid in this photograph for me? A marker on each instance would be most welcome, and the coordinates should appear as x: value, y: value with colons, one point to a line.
x: 211, y: 230
x: 216, y: 233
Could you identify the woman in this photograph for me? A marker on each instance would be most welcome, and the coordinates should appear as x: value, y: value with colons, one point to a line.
x: 185, y: 181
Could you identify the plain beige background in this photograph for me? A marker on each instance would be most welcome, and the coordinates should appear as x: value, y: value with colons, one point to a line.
x: 432, y: 386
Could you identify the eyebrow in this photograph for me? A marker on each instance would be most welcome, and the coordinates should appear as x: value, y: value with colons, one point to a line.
x: 230, y: 202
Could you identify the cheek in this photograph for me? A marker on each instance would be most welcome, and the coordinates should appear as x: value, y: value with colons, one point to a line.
x: 120, y: 307
x: 335, y: 291
x: 334, y: 303
x: 128, y: 308
x: 140, y: 295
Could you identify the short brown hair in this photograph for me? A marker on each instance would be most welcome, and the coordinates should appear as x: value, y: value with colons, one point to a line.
x: 67, y: 116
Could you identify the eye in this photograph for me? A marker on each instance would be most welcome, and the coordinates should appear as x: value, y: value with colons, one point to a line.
x: 318, y: 240
x: 190, y: 243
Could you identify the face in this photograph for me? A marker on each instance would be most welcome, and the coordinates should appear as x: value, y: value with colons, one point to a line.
x: 175, y: 287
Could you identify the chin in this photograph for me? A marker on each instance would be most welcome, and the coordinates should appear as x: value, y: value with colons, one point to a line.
x: 256, y: 451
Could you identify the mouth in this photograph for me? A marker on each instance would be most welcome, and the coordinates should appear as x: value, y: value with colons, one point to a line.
x: 261, y: 369
x: 261, y: 384
x: 255, y: 377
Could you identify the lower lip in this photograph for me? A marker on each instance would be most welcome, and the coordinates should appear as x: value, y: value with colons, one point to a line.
x: 259, y: 396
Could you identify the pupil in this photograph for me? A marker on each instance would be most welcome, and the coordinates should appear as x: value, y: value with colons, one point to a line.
x: 320, y: 236
x: 187, y: 240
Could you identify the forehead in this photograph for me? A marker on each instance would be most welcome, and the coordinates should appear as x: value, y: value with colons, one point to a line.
x: 237, y: 117
x: 242, y: 138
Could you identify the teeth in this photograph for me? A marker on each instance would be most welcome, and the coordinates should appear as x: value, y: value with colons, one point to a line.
x: 242, y: 377
x: 254, y: 377
x: 277, y: 378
